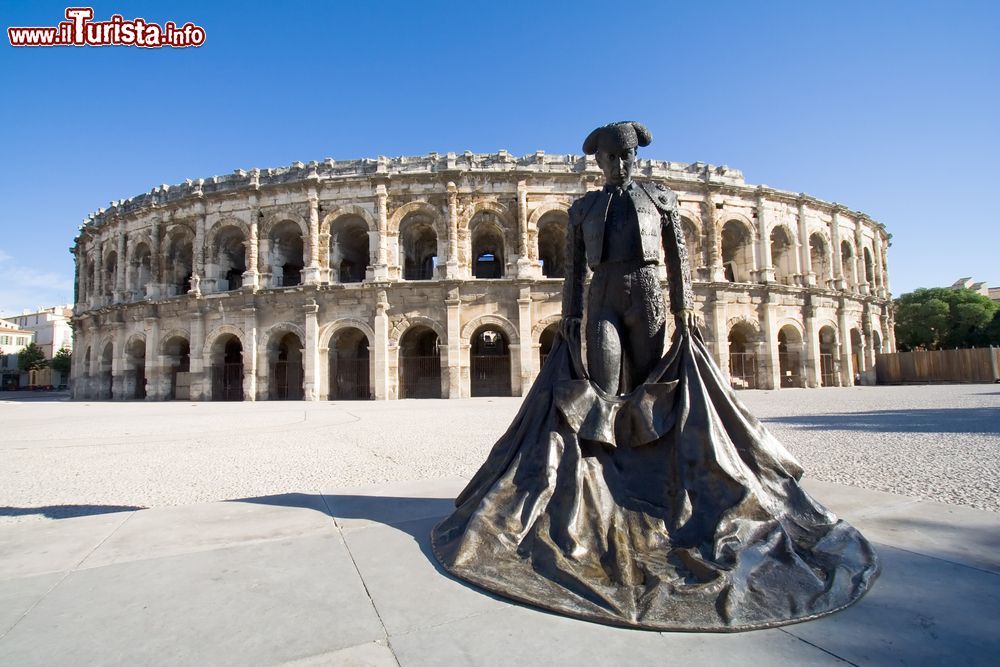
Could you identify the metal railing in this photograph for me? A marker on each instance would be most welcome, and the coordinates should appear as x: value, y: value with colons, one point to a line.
x: 490, y: 375
x: 286, y: 381
x: 227, y: 382
x: 349, y: 379
x: 420, y: 377
x: 743, y: 370
x: 828, y: 370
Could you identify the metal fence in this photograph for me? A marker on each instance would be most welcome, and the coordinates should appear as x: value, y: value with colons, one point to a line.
x: 420, y: 377
x: 743, y: 370
x: 227, y: 382
x: 349, y: 379
x: 286, y: 381
x: 828, y: 370
x: 490, y: 375
x: 790, y: 370
x: 970, y: 365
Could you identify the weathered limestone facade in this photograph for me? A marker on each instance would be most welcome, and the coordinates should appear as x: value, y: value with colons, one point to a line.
x: 441, y: 276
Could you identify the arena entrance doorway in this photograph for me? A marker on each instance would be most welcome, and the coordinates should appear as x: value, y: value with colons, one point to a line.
x: 419, y: 364
x: 490, y: 362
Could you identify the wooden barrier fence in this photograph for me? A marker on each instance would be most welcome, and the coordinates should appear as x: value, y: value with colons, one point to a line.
x: 971, y: 365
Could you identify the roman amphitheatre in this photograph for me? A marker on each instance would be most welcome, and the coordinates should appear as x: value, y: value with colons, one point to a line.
x: 441, y: 277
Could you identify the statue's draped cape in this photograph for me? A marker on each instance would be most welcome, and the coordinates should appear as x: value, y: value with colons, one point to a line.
x: 671, y: 508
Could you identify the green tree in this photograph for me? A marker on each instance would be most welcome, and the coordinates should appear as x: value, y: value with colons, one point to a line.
x: 31, y: 358
x: 62, y: 361
x: 943, y: 317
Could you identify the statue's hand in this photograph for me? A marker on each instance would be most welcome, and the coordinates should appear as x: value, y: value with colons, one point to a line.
x: 569, y: 327
x: 686, y: 321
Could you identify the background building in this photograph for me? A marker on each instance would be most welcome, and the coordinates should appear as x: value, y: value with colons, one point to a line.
x: 53, y: 331
x: 13, y: 339
x: 441, y: 276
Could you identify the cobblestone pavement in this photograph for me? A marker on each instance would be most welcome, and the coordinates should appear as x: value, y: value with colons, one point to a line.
x: 63, y: 458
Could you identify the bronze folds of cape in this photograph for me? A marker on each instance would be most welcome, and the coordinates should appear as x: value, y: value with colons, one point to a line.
x: 645, y: 494
x: 671, y: 508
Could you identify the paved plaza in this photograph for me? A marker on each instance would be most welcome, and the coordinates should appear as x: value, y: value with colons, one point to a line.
x: 297, y: 533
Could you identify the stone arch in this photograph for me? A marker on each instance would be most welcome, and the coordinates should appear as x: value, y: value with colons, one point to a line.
x: 548, y: 242
x: 507, y: 222
x: 736, y: 247
x: 416, y: 207
x: 791, y: 322
x: 224, y: 329
x: 406, y: 323
x: 328, y: 331
x: 135, y: 338
x: 501, y: 323
x: 268, y: 334
x: 820, y: 256
x: 541, y: 325
x: 693, y: 230
x: 171, y: 335
x: 545, y: 207
x: 488, y: 236
x: 222, y: 223
x: 781, y: 238
x: 747, y: 322
x: 274, y: 218
x: 349, y: 238
x: 352, y: 210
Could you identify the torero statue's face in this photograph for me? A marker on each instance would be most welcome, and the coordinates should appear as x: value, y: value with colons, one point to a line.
x: 616, y: 163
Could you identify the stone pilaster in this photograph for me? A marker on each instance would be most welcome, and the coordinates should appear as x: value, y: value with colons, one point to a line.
x: 846, y: 363
x: 770, y: 371
x: 310, y: 274
x: 380, y: 271
x: 810, y: 345
x: 765, y: 272
x: 839, y: 279
x: 155, y: 286
x: 805, y: 260
x: 121, y: 266
x: 118, y: 363
x: 859, y: 240
x: 251, y: 277
x: 201, y: 382
x: 380, y: 364
x: 716, y: 272
x: 452, y: 269
x: 154, y: 369
x: 456, y: 388
x: 310, y: 353
x: 199, y: 252
x: 527, y: 348
x: 250, y: 354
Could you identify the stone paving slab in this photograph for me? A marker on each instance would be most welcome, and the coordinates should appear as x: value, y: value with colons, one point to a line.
x: 346, y: 577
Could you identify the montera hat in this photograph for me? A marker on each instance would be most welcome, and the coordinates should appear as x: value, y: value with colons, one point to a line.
x: 623, y: 134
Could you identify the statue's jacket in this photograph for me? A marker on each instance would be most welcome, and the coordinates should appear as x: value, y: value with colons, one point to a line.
x: 655, y: 211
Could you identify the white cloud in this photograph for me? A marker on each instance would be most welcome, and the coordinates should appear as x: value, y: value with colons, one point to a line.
x: 23, y: 287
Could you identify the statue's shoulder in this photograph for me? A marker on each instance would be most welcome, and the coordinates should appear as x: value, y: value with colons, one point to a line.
x: 582, y: 206
x: 662, y: 196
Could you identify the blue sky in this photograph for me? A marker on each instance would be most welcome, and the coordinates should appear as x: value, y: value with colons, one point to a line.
x: 887, y: 107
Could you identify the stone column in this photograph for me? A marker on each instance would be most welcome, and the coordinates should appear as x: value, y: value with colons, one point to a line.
x: 810, y: 345
x: 524, y: 264
x: 380, y: 364
x: 451, y: 268
x: 869, y: 341
x: 716, y: 272
x: 766, y: 268
x: 805, y: 259
x: 456, y: 388
x: 527, y: 349
x: 862, y: 281
x: 251, y: 277
x: 720, y: 333
x: 97, y: 298
x: 310, y: 274
x: 380, y: 270
x: 250, y: 354
x: 121, y: 268
x: 154, y: 390
x: 846, y: 363
x: 201, y: 386
x: 879, y: 268
x: 199, y: 250
x: 155, y: 286
x: 835, y: 258
x: 118, y: 363
x: 769, y: 355
x: 310, y: 355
